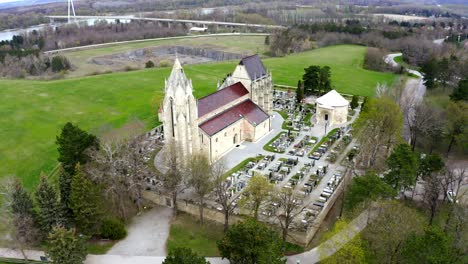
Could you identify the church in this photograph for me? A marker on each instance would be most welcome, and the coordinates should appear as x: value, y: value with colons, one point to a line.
x: 240, y: 110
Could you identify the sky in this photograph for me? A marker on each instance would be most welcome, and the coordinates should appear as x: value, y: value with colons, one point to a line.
x: 6, y: 1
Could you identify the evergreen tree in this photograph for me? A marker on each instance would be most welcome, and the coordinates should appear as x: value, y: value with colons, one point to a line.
x: 461, y: 92
x: 299, y: 92
x: 149, y: 64
x: 22, y: 203
x: 354, y: 102
x: 84, y: 202
x: 311, y: 79
x: 325, y: 82
x: 267, y: 40
x: 65, y: 247
x: 24, y: 218
x: 430, y: 70
x: 403, y: 165
x: 72, y: 144
x: 65, y: 180
x: 50, y: 210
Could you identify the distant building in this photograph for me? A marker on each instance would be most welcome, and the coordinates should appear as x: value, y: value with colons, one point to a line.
x: 332, y: 109
x: 239, y: 111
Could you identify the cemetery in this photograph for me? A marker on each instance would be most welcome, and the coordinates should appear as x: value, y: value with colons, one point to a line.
x: 304, y: 157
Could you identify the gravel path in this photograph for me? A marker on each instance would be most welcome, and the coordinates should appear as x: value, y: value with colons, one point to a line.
x: 147, y: 234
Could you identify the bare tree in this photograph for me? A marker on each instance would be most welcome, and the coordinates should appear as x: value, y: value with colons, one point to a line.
x: 174, y: 179
x: 200, y: 179
x: 289, y: 207
x: 433, y: 188
x: 223, y: 197
x: 421, y: 121
x: 120, y: 167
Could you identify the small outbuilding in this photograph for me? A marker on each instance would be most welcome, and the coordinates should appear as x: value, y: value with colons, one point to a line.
x: 332, y: 109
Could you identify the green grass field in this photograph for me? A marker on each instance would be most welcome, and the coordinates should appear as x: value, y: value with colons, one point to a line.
x: 34, y: 111
x: 187, y: 232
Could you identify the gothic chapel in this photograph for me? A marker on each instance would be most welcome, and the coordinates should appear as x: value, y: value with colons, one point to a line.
x: 239, y: 111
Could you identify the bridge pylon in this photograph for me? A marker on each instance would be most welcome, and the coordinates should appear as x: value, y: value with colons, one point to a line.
x: 71, y: 9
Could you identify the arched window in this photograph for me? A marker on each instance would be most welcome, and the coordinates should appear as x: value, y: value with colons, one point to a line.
x: 171, y: 102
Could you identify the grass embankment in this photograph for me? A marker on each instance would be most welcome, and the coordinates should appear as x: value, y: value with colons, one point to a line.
x: 242, y: 164
x: 267, y: 146
x: 235, y: 44
x: 323, y: 140
x: 186, y: 231
x: 33, y: 112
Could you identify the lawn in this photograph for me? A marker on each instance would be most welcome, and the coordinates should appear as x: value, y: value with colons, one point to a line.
x: 34, y: 111
x: 345, y: 62
x: 187, y: 232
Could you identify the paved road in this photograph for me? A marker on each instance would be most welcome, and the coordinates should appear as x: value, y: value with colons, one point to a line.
x: 147, y: 234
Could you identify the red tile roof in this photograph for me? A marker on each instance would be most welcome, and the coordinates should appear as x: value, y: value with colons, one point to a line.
x: 247, y: 109
x: 220, y: 98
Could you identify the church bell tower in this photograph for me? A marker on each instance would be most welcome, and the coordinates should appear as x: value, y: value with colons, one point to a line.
x: 179, y: 113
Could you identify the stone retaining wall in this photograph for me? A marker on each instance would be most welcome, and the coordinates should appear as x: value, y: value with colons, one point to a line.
x: 298, y: 237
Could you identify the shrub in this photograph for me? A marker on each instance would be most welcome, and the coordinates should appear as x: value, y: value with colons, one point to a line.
x: 112, y: 228
x: 164, y: 63
x: 60, y: 63
x: 149, y: 64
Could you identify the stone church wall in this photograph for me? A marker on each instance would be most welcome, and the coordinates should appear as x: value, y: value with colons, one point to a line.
x: 262, y: 129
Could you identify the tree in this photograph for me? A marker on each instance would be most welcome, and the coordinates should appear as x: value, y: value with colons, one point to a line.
x: 50, y: 209
x: 18, y: 215
x: 430, y: 70
x: 288, y: 208
x: 433, y: 246
x: 299, y: 92
x: 402, y: 165
x: 422, y: 119
x: 174, y: 179
x: 267, y: 40
x: 64, y: 247
x: 221, y: 189
x: 184, y: 256
x: 378, y: 128
x: 366, y: 188
x: 392, y: 222
x: 457, y: 123
x: 72, y: 144
x: 325, y: 81
x: 251, y: 242
x: 200, y: 179
x: 311, y: 79
x: 149, y: 64
x: 256, y: 193
x: 354, y: 102
x: 429, y: 170
x: 461, y: 92
x: 85, y: 203
x: 119, y: 166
